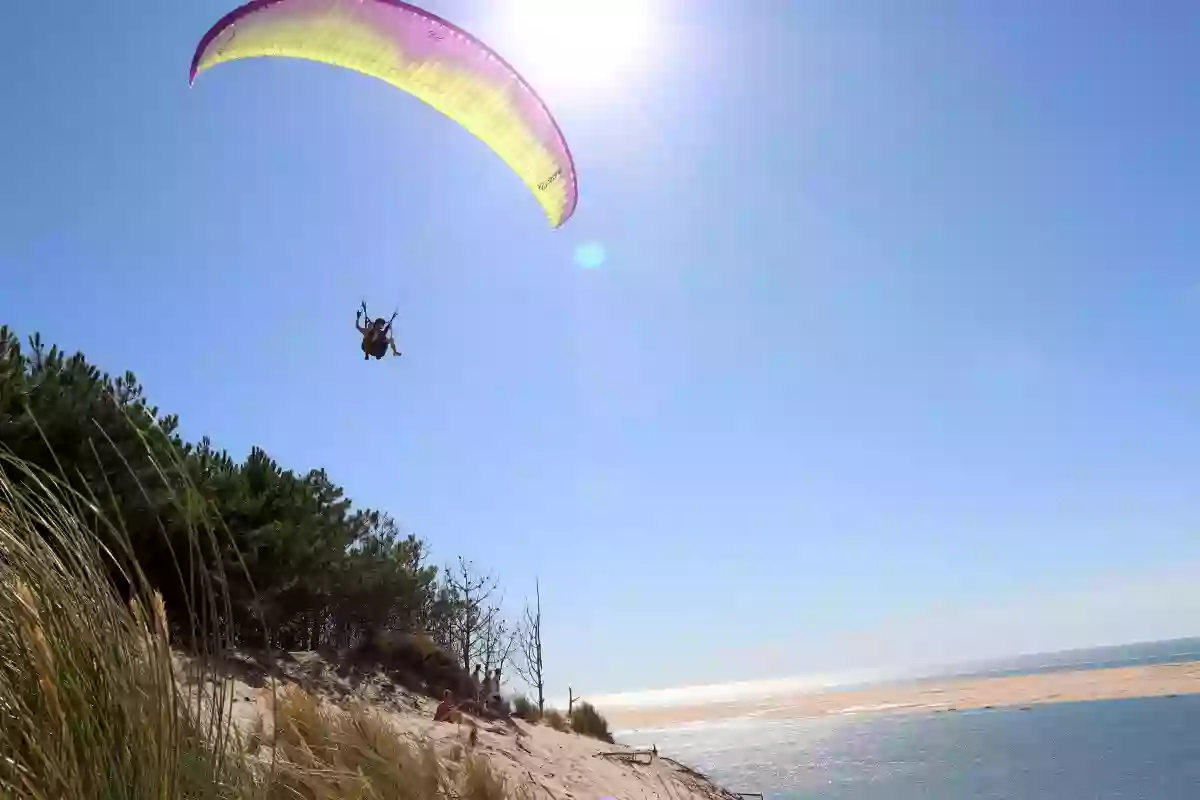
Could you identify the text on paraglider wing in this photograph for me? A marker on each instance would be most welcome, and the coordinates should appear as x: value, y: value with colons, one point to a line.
x: 544, y: 185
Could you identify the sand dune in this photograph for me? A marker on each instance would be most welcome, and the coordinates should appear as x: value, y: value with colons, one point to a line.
x: 539, y: 762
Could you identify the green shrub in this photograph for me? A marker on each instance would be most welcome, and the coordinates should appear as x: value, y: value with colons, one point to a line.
x: 587, y: 721
x: 523, y: 708
x: 417, y: 661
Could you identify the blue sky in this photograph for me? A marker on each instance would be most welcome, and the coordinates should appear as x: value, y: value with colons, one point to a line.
x: 894, y: 357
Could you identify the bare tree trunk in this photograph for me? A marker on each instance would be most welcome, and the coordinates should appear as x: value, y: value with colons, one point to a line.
x: 529, y: 663
x: 471, y: 591
x: 496, y: 642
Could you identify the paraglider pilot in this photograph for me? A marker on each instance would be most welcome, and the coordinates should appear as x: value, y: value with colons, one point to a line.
x: 377, y: 335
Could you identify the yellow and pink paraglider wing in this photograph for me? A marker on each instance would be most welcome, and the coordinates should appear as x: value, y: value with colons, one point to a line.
x: 422, y: 54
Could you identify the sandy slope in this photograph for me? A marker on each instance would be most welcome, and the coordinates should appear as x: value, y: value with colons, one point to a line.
x: 935, y: 696
x: 566, y: 766
x: 552, y: 765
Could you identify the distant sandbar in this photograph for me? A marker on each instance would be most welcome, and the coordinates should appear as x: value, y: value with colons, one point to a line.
x: 934, y: 695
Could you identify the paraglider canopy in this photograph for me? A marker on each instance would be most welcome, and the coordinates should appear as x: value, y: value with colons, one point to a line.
x: 422, y: 54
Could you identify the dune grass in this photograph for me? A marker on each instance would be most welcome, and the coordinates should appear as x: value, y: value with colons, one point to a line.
x: 325, y: 752
x: 524, y: 708
x: 555, y: 719
x: 91, y: 704
x: 88, y: 703
x: 587, y: 721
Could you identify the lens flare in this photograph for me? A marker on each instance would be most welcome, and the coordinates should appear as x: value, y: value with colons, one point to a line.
x: 590, y: 255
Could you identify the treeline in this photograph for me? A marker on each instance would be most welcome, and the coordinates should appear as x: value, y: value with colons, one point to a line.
x: 299, y: 566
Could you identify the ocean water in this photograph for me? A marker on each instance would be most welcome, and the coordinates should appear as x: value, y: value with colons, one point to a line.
x: 1143, y: 749
x: 1140, y: 749
x: 1140, y: 654
x: 1125, y: 655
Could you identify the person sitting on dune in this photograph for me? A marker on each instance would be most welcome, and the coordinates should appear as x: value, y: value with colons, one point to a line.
x: 495, y: 700
x: 447, y: 711
x: 477, y: 682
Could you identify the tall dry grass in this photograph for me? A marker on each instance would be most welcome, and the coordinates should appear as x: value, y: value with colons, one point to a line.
x: 91, y: 704
x: 88, y: 701
x: 328, y: 753
x: 587, y: 721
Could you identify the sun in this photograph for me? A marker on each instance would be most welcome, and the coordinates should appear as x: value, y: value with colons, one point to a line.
x: 579, y: 51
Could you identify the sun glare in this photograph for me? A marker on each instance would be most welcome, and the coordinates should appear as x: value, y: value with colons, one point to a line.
x: 579, y: 51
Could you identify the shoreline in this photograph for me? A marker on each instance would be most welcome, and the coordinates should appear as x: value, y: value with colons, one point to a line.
x: 930, y: 695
